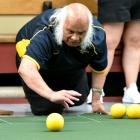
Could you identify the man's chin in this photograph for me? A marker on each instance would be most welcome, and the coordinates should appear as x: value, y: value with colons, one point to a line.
x: 73, y: 44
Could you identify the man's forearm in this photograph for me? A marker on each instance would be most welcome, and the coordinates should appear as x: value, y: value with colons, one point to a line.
x: 98, y: 81
x: 33, y: 79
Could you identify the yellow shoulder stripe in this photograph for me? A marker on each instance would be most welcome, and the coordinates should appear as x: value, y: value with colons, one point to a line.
x: 21, y: 46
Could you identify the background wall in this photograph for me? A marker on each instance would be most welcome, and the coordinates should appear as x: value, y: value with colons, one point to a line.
x: 10, y: 24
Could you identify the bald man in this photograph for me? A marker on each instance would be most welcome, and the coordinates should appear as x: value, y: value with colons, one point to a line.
x: 53, y: 50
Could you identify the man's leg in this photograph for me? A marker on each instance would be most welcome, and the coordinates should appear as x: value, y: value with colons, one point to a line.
x: 83, y: 88
x: 131, y: 60
x: 40, y: 105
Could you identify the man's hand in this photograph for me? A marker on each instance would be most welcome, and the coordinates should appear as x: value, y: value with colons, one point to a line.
x: 97, y: 106
x: 65, y: 97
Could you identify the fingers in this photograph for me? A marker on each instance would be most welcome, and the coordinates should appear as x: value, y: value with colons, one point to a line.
x: 65, y: 105
x: 105, y: 112
x: 68, y: 100
x: 99, y: 108
x: 71, y: 97
x: 73, y: 93
x: 100, y: 111
x: 65, y: 97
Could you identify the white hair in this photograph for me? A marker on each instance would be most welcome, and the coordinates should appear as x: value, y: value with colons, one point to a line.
x: 59, y: 16
x: 87, y: 41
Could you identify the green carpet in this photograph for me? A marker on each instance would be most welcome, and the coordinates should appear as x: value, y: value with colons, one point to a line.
x: 77, y: 127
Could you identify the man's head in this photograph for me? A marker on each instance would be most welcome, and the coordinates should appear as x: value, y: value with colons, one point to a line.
x: 74, y: 25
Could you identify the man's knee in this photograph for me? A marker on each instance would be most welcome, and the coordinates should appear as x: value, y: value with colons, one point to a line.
x: 82, y: 100
x: 45, y: 111
x: 41, y: 106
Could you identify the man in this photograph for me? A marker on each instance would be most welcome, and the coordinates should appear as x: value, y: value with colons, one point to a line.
x: 61, y: 43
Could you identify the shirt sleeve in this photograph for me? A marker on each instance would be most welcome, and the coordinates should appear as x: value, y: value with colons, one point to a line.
x: 99, y: 60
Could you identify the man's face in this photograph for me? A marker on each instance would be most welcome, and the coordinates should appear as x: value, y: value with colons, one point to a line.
x: 74, y: 32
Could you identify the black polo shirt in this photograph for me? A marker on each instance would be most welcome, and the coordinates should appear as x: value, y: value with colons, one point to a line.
x: 62, y: 61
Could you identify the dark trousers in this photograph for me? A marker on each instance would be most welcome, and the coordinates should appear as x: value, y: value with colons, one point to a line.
x: 42, y: 106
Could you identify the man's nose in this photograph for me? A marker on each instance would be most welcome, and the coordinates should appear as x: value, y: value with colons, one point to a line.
x: 75, y: 37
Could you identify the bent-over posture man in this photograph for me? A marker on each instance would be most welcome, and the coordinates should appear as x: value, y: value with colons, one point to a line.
x: 53, y: 50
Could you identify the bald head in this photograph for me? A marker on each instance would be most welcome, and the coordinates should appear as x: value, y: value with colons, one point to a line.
x: 73, y: 25
x: 78, y: 13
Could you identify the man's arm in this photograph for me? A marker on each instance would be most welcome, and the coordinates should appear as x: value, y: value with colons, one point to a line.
x: 29, y: 73
x: 97, y: 85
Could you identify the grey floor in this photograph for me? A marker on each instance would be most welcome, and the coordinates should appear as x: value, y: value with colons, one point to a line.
x: 24, y: 109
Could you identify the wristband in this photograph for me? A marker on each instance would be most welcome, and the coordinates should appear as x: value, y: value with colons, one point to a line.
x: 99, y: 90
